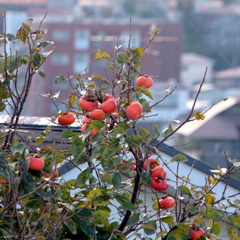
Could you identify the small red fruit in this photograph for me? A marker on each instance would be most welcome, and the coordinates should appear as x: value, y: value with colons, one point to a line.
x: 159, y: 184
x: 153, y: 162
x: 109, y: 106
x: 86, y: 120
x: 66, y: 119
x: 165, y: 203
x: 144, y: 81
x: 196, y: 232
x: 93, y: 131
x: 108, y: 96
x: 36, y: 164
x: 97, y: 114
x: 134, y: 110
x: 55, y: 174
x: 2, y: 181
x: 87, y: 104
x: 133, y: 166
x: 43, y: 209
x: 159, y: 172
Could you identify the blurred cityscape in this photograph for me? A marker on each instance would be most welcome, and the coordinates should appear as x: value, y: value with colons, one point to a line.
x: 195, y: 35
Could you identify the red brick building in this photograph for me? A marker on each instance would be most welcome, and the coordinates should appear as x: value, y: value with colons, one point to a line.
x: 77, y: 42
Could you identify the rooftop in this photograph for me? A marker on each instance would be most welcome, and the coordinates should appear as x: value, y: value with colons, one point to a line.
x: 222, y: 123
x: 228, y: 73
x: 197, y: 59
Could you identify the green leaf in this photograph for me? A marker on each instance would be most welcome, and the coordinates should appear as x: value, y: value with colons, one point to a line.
x: 84, y: 213
x: 15, y: 64
x: 232, y: 234
x: 101, y: 216
x: 33, y: 203
x: 179, y: 158
x: 96, y: 124
x: 122, y: 57
x: 144, y: 134
x: 109, y: 150
x: 216, y: 229
x: 76, y: 147
x: 99, y: 78
x: 117, y: 180
x: 2, y: 106
x: 18, y: 149
x: 6, y: 62
x: 137, y: 55
x: 71, y: 184
x: 184, y: 190
x: 71, y: 225
x: 134, y: 219
x: 11, y: 38
x: 122, y: 127
x: 59, y: 79
x: 44, y: 44
x: 218, y: 216
x: 86, y: 226
x: 99, y: 54
x: 209, y: 212
x: 145, y: 104
x: 84, y: 176
x: 144, y: 91
x: 156, y: 130
x: 37, y: 60
x: 167, y: 219
x: 134, y: 141
x: 146, y: 179
x: 234, y: 220
x: 4, y: 93
x: 41, y: 73
x: 150, y: 227
x: 68, y: 134
x: 167, y: 131
x: 125, y: 203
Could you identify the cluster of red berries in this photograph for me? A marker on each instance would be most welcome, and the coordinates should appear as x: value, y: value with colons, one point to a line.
x: 97, y: 111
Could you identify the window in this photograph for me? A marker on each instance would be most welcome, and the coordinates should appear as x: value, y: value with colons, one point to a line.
x: 99, y: 39
x: 135, y: 38
x: 61, y: 59
x: 60, y: 35
x: 81, y: 61
x: 81, y: 39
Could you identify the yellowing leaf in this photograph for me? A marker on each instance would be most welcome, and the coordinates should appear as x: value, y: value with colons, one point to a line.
x: 155, y: 205
x: 98, y: 197
x: 161, y: 234
x: 99, y: 54
x: 216, y: 229
x: 167, y: 219
x: 199, y: 220
x: 211, y: 180
x: 209, y: 198
x: 199, y: 116
x: 234, y: 220
x: 71, y: 100
x: 232, y: 233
